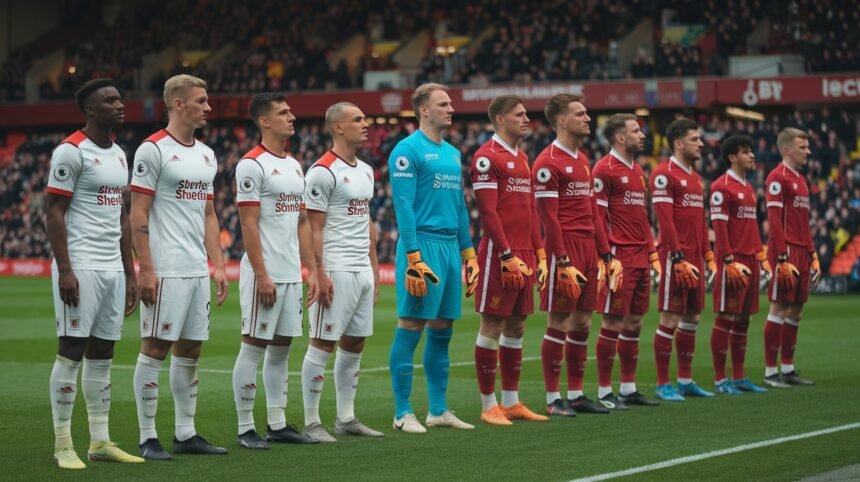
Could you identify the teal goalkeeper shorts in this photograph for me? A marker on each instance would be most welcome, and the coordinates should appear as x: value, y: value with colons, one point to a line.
x: 443, y: 300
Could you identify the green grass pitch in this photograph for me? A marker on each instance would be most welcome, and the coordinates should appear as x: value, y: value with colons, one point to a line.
x: 558, y: 450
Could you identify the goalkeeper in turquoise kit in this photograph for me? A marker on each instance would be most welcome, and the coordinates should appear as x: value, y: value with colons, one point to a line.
x: 433, y: 222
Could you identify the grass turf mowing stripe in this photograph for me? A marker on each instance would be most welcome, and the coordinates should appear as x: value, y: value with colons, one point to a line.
x: 718, y: 453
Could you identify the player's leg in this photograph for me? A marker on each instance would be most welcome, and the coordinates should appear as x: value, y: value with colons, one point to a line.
x: 510, y: 362
x: 685, y: 344
x: 773, y: 341
x: 663, y: 338
x: 64, y: 388
x: 628, y: 355
x: 576, y: 355
x: 486, y: 360
x: 789, y: 342
x: 401, y: 364
x: 740, y: 328
x: 251, y: 351
x: 605, y: 349
x: 720, y: 337
x: 313, y: 378
x: 552, y: 356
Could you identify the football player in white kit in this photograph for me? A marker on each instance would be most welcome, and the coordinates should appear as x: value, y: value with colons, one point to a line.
x: 277, y: 236
x: 338, y: 193
x: 93, y: 272
x: 174, y: 227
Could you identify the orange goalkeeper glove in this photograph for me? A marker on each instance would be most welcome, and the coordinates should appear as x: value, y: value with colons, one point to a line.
x: 686, y: 275
x: 471, y: 261
x: 609, y: 272
x: 417, y: 274
x: 761, y: 257
x: 786, y: 273
x: 710, y: 267
x: 541, y: 268
x: 815, y: 272
x: 655, y: 263
x: 568, y: 279
x: 737, y: 274
x: 514, y: 271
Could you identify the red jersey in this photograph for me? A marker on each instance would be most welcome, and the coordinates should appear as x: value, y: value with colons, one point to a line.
x: 679, y: 202
x: 563, y: 191
x: 733, y: 216
x: 501, y: 179
x: 620, y: 189
x: 787, y: 199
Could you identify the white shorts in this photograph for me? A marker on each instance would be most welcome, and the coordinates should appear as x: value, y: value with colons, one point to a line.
x: 284, y: 318
x: 351, y: 310
x: 101, y: 305
x: 181, y: 310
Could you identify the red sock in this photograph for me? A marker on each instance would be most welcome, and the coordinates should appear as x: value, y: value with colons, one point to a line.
x: 720, y: 347
x: 485, y: 366
x: 552, y: 354
x: 606, y: 345
x: 628, y: 354
x: 685, y: 343
x: 576, y: 354
x: 789, y: 340
x: 772, y: 339
x: 511, y: 362
x: 663, y: 353
x: 739, y: 349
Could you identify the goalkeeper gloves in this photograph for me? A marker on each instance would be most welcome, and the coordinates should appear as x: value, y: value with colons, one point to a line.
x: 786, y: 273
x: 815, y: 272
x: 471, y: 261
x: 568, y: 279
x: 761, y: 257
x: 686, y: 275
x: 737, y: 274
x: 416, y: 273
x: 609, y: 271
x: 655, y: 263
x: 541, y: 270
x: 514, y: 271
x: 710, y: 267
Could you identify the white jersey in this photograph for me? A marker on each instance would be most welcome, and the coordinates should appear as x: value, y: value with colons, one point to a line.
x: 276, y: 184
x: 95, y: 178
x: 343, y: 192
x: 179, y: 177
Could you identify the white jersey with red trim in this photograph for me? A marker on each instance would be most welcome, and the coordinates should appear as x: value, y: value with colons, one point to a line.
x: 179, y: 177
x: 277, y: 185
x: 95, y: 178
x: 343, y: 192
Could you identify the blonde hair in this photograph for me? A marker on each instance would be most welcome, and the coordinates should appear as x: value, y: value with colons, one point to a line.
x: 788, y: 135
x: 422, y: 95
x: 179, y: 85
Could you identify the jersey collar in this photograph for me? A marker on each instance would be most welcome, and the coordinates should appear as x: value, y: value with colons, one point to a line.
x: 686, y: 169
x: 573, y: 154
x: 498, y: 140
x: 737, y: 178
x: 790, y: 169
x: 618, y: 156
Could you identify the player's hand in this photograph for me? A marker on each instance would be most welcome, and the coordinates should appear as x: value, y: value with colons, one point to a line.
x: 326, y: 289
x: 541, y: 269
x: 568, y: 279
x: 222, y: 287
x: 601, y: 275
x: 148, y: 285
x: 686, y: 275
x: 130, y: 294
x: 417, y: 274
x: 313, y: 282
x: 514, y: 271
x: 737, y: 275
x: 654, y: 259
x: 472, y: 270
x: 786, y: 273
x: 814, y: 272
x: 267, y: 292
x: 70, y: 291
x: 710, y: 268
x: 614, y: 274
x: 761, y: 257
x: 375, y: 292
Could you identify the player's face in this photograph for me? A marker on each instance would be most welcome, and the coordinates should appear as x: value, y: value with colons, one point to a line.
x: 516, y: 122
x: 576, y: 119
x: 634, y: 138
x: 281, y: 119
x: 194, y: 108
x: 797, y: 152
x: 107, y: 107
x: 745, y: 159
x: 353, y: 126
x: 691, y: 145
x: 440, y: 110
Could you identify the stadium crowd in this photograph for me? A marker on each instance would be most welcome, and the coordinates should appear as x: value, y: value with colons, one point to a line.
x: 834, y: 178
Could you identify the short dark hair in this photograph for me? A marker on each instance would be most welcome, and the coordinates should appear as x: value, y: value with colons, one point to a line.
x: 678, y: 129
x: 503, y: 104
x: 734, y: 144
x: 261, y: 104
x: 557, y: 105
x: 82, y: 96
x: 616, y: 124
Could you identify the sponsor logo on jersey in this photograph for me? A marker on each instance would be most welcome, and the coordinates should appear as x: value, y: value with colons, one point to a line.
x: 693, y: 200
x: 358, y: 207
x: 482, y: 164
x: 634, y: 197
x: 518, y: 184
x: 62, y: 172
x: 446, y: 181
x: 110, y: 196
x: 288, y: 203
x: 193, y: 190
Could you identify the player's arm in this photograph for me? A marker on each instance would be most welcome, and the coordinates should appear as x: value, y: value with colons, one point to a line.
x: 653, y: 258
x: 736, y: 274
x: 249, y: 185
x: 212, y: 242
x: 306, y: 253
x: 467, y: 250
x: 147, y: 167
x: 125, y: 250
x: 609, y: 269
x: 774, y: 200
x: 486, y: 188
x: 319, y: 184
x: 662, y: 198
x: 374, y: 261
x: 65, y: 167
x: 568, y: 278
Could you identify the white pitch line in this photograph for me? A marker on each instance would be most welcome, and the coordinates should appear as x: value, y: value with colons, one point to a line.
x: 718, y: 453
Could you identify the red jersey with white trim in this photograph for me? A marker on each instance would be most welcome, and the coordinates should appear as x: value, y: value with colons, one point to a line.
x: 561, y: 173
x: 620, y: 188
x: 179, y: 177
x: 733, y: 216
x: 276, y: 184
x: 787, y: 197
x: 677, y: 193
x: 95, y: 177
x: 501, y: 179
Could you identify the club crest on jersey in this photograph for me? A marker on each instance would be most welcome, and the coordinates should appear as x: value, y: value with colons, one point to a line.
x: 543, y: 175
x: 774, y: 188
x: 495, y: 301
x: 140, y: 169
x: 624, y: 179
x: 794, y: 185
x: 96, y: 161
x: 298, y: 172
x: 482, y: 164
x: 207, y: 160
x: 661, y: 182
x: 264, y: 327
x: 247, y: 184
x: 740, y: 195
x: 122, y: 161
x: 511, y: 165
x: 684, y: 182
x: 62, y: 172
x: 74, y: 323
x: 716, y: 198
x: 598, y: 184
x: 165, y: 327
x: 568, y: 169
x: 402, y: 163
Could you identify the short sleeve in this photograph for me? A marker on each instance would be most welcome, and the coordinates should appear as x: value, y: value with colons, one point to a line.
x: 66, y: 166
x: 249, y: 183
x: 147, y: 168
x: 319, y: 185
x: 545, y: 180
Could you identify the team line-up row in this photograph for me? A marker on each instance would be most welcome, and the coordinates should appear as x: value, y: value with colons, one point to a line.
x: 581, y: 234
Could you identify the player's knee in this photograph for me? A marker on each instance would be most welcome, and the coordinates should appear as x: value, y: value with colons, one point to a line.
x: 324, y: 345
x: 187, y: 348
x: 612, y: 322
x: 99, y: 349
x: 351, y: 344
x: 581, y: 322
x: 514, y: 330
x: 633, y: 323
x: 71, y: 348
x: 250, y: 340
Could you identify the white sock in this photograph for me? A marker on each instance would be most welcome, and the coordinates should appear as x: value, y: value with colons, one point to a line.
x: 574, y: 394
x: 488, y: 401
x: 627, y: 388
x: 786, y: 368
x: 770, y: 371
x: 245, y: 384
x: 603, y: 391
x: 64, y: 388
x: 313, y: 376
x: 510, y: 397
x: 146, y: 394
x: 97, y: 392
x: 552, y: 396
x: 346, y: 369
x: 183, y: 385
x: 685, y: 381
x: 275, y: 374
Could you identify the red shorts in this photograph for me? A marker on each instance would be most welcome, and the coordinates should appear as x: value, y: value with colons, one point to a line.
x: 583, y: 256
x: 740, y: 302
x: 632, y: 298
x: 490, y: 297
x: 799, y: 257
x: 679, y: 300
